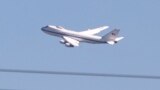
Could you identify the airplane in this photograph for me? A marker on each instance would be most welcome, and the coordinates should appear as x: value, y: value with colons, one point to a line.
x: 72, y: 38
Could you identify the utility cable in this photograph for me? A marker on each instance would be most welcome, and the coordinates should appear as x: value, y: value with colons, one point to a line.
x: 79, y: 74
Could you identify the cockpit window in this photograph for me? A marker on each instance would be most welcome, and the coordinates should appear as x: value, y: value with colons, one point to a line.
x: 59, y: 27
x: 46, y: 26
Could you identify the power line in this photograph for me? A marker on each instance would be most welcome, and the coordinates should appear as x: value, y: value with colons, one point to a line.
x: 79, y: 74
x: 7, y: 89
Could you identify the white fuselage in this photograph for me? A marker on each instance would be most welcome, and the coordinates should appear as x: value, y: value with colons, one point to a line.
x: 60, y: 32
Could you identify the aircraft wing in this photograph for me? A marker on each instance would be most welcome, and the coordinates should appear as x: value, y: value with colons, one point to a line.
x: 94, y: 31
x: 70, y: 41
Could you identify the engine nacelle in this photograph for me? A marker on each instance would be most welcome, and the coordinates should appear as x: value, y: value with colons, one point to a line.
x: 62, y: 41
x: 69, y: 45
x: 115, y: 41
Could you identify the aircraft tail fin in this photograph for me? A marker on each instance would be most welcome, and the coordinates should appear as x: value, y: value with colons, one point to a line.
x: 112, y: 37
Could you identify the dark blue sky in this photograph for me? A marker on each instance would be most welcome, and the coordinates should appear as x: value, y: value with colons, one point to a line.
x: 24, y: 46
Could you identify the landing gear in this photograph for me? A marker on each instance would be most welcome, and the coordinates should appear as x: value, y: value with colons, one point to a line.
x: 115, y: 41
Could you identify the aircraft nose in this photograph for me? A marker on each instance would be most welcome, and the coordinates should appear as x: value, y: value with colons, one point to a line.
x: 43, y: 28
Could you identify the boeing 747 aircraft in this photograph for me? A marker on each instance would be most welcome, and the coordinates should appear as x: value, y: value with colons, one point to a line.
x: 73, y: 38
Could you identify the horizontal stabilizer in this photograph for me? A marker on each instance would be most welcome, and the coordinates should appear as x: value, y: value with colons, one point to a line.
x: 111, y: 42
x: 119, y: 38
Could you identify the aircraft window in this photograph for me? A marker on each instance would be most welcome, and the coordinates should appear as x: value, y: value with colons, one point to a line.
x: 46, y: 27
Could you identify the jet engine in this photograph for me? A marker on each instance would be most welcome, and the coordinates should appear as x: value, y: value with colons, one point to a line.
x: 62, y: 41
x: 69, y: 45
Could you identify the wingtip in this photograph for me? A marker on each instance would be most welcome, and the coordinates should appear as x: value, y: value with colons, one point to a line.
x: 106, y: 27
